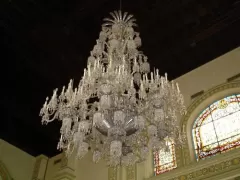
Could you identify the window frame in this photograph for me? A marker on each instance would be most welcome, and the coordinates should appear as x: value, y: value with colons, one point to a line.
x: 174, y: 162
x: 219, y: 148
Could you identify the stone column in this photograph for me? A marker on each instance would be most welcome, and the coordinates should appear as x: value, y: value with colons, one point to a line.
x: 131, y: 172
x: 66, y: 171
x: 40, y: 168
x: 148, y: 166
x: 113, y: 173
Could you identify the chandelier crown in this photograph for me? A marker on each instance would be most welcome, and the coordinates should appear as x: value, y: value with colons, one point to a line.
x: 123, y: 19
x: 120, y: 109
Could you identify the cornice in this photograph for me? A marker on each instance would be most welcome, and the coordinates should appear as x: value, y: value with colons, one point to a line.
x: 207, y: 169
x: 206, y: 95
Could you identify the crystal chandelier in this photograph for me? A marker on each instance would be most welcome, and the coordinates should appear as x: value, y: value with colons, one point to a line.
x: 120, y: 110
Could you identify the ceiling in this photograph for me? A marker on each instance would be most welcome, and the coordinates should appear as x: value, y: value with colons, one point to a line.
x: 47, y: 42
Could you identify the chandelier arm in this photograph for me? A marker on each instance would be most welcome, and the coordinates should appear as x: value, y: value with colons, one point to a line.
x: 48, y: 121
x: 104, y: 53
x: 52, y: 112
x: 105, y: 43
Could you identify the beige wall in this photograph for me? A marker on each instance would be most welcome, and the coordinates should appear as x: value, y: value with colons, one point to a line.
x: 209, y: 75
x: 52, y: 168
x: 206, y: 77
x: 18, y: 163
x: 83, y: 169
x: 87, y: 170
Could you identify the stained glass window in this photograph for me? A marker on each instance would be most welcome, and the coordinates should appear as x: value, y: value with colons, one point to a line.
x: 217, y: 128
x: 165, y: 160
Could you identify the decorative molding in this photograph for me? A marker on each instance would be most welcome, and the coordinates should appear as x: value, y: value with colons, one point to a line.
x: 211, y: 170
x: 36, y: 169
x: 178, y: 154
x: 57, y: 161
x: 65, y: 174
x: 235, y: 77
x: 4, y: 172
x: 226, y: 165
x: 230, y: 85
x: 131, y: 172
x: 112, y: 173
x: 206, y: 95
x: 37, y: 166
x: 64, y: 161
x: 197, y: 94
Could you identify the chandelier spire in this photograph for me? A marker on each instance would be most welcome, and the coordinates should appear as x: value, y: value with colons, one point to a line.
x: 120, y: 5
x: 120, y: 109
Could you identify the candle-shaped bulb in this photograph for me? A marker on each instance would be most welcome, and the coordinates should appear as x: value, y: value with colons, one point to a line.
x: 55, y: 93
x: 84, y: 73
x: 63, y: 89
x: 132, y: 82
x: 151, y: 77
x: 81, y: 90
x: 95, y: 64
x: 110, y: 63
x: 89, y: 71
x: 141, y: 86
x: 146, y: 78
x: 45, y: 104
x: 178, y: 88
x: 98, y: 63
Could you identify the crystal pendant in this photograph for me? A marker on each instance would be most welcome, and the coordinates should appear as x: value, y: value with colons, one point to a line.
x: 119, y: 118
x: 116, y: 148
x: 105, y: 101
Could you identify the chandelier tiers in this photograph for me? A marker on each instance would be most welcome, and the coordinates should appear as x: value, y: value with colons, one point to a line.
x: 120, y: 110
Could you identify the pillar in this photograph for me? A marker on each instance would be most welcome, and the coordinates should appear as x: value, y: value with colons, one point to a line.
x: 40, y: 167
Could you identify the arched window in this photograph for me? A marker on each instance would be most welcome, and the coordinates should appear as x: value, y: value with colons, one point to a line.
x: 165, y: 160
x: 217, y: 128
